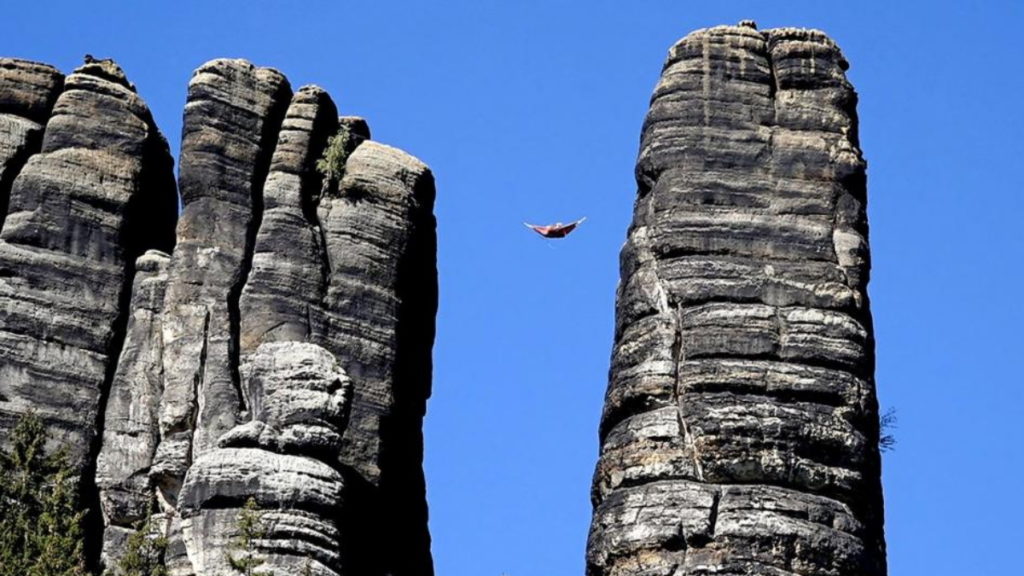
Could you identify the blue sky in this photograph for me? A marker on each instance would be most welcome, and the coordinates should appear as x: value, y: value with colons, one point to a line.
x: 532, y: 111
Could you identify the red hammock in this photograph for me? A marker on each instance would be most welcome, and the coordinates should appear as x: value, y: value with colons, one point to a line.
x: 557, y: 230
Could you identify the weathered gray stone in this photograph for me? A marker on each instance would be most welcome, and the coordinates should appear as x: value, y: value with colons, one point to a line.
x: 379, y: 322
x: 98, y: 194
x: 285, y: 288
x: 187, y: 383
x: 740, y: 430
x: 131, y: 431
x: 232, y: 118
x: 28, y: 91
x: 297, y: 396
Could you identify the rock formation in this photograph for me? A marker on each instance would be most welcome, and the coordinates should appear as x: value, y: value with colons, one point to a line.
x: 275, y: 345
x: 83, y: 203
x: 740, y: 429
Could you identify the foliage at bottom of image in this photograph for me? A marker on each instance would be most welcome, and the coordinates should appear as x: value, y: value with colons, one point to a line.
x: 241, y: 554
x: 40, y: 523
x: 143, y: 553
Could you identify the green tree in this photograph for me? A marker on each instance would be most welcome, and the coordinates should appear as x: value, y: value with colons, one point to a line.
x: 22, y: 478
x: 250, y: 529
x: 40, y: 524
x: 143, y: 553
x: 331, y: 165
x: 59, y: 530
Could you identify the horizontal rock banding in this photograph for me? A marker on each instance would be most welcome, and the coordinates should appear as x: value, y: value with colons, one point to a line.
x: 740, y: 431
x: 232, y: 116
x: 190, y: 370
x: 98, y: 193
x: 28, y: 91
x: 297, y: 396
x: 255, y: 267
x: 379, y: 308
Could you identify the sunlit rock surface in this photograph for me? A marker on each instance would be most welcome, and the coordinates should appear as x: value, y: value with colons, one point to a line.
x: 276, y: 344
x: 740, y: 429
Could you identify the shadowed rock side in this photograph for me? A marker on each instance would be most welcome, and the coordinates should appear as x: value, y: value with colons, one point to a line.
x: 740, y: 429
x: 379, y: 308
x: 282, y: 288
x: 293, y: 391
x: 99, y: 192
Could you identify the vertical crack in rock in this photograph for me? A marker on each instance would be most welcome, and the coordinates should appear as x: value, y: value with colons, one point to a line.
x: 131, y: 431
x: 295, y: 392
x: 713, y: 516
x: 748, y: 312
x: 274, y: 119
x: 150, y: 217
x: 280, y: 457
x: 232, y: 117
x: 282, y: 350
x: 287, y: 280
x: 99, y: 193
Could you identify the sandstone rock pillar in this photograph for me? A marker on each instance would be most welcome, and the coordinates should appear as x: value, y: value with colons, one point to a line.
x: 740, y: 429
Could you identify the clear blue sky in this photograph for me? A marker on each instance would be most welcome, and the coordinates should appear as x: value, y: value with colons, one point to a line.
x: 532, y: 111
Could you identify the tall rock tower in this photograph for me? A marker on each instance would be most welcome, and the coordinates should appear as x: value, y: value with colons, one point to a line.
x: 740, y: 429
x: 273, y: 341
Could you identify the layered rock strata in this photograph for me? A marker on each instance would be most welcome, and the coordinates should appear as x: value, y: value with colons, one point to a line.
x: 740, y: 429
x: 276, y: 346
x: 380, y: 241
x: 297, y: 396
x: 85, y: 199
x: 131, y: 432
x: 28, y: 91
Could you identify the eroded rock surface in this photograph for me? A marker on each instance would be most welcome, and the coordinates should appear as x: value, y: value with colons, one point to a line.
x: 192, y: 369
x: 297, y: 396
x: 232, y: 116
x: 379, y: 306
x: 131, y: 431
x: 28, y: 91
x: 97, y: 193
x: 740, y: 429
x: 286, y: 285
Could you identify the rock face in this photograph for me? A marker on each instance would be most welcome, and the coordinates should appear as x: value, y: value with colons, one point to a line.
x: 276, y: 345
x: 381, y: 298
x: 233, y: 113
x: 28, y: 91
x: 131, y: 432
x: 740, y: 430
x: 297, y: 396
x: 83, y: 203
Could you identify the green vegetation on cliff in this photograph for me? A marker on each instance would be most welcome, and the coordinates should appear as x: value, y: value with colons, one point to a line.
x: 242, y: 556
x: 40, y: 523
x: 143, y: 553
x: 332, y: 164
